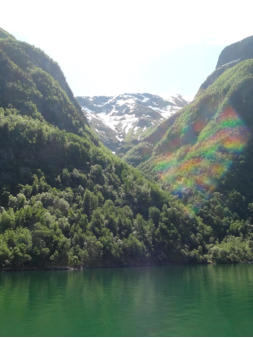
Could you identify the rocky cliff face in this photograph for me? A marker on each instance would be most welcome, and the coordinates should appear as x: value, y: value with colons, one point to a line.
x: 238, y: 51
x: 229, y: 57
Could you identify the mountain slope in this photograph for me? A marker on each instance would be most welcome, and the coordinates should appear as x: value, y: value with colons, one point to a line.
x: 121, y: 121
x: 204, y: 157
x: 209, y: 136
x: 32, y: 83
x: 65, y: 200
x: 207, y: 146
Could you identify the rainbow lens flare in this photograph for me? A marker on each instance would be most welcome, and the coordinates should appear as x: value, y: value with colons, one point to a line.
x: 201, y: 153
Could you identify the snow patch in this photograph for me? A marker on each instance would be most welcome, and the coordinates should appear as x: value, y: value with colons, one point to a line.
x: 122, y: 113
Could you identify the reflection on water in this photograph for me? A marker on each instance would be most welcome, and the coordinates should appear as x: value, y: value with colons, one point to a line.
x: 155, y: 301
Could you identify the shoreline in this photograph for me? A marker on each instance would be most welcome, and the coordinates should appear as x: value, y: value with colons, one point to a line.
x: 81, y: 268
x: 47, y: 268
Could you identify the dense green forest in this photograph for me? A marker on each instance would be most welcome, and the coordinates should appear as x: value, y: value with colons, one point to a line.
x: 65, y: 200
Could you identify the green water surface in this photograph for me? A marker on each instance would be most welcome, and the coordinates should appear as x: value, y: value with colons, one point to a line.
x: 153, y: 301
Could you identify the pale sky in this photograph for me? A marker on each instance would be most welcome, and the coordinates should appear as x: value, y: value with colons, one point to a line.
x: 108, y: 47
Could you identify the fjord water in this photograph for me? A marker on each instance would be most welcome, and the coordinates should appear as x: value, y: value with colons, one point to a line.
x: 151, y: 301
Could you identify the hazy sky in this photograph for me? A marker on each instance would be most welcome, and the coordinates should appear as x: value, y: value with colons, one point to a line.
x: 107, y: 47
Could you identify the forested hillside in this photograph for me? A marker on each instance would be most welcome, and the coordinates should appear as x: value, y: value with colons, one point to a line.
x: 65, y: 200
x: 207, y: 145
x: 209, y: 138
x: 204, y: 154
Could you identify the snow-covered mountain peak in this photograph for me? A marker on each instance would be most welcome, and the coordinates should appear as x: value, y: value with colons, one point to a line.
x: 128, y: 115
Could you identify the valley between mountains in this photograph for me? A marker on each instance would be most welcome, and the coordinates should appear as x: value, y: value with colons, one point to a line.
x: 67, y: 201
